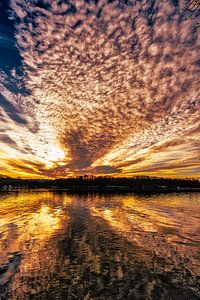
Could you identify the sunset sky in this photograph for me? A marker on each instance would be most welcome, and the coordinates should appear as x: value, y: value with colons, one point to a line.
x: 99, y: 87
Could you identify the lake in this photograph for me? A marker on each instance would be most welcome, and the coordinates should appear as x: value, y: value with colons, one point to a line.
x: 60, y: 246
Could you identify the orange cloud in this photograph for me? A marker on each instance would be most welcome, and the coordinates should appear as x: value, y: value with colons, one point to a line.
x: 112, y: 88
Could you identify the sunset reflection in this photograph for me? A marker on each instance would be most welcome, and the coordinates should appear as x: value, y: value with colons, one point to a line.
x: 27, y: 224
x: 159, y: 225
x: 53, y: 244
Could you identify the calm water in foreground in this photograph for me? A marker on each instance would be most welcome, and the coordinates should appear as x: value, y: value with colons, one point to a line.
x: 60, y: 246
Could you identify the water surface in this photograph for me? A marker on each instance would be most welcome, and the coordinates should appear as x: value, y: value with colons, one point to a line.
x: 61, y: 246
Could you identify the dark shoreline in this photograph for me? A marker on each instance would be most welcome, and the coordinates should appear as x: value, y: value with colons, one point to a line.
x: 99, y: 190
x: 91, y: 184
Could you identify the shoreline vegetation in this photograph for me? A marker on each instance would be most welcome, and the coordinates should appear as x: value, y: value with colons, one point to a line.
x: 102, y: 184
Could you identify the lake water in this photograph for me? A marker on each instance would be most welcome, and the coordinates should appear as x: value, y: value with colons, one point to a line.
x: 61, y: 246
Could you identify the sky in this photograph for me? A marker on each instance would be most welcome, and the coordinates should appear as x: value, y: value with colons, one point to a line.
x: 99, y: 88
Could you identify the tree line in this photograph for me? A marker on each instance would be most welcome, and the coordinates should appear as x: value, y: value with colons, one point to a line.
x: 101, y: 183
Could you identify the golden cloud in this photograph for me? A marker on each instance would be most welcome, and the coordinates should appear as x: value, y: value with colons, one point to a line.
x: 112, y: 87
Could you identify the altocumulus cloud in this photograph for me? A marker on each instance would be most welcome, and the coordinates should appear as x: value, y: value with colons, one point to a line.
x: 113, y: 88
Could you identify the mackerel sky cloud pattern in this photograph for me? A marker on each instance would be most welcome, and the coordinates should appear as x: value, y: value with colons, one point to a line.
x: 107, y: 87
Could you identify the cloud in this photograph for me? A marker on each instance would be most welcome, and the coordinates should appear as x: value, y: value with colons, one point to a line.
x: 7, y: 140
x: 111, y: 85
x: 106, y: 170
x: 11, y: 110
x: 167, y: 145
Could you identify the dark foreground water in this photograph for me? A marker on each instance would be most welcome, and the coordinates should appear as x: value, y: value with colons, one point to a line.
x: 60, y: 246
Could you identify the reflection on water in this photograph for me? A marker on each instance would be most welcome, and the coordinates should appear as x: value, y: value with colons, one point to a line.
x: 60, y: 246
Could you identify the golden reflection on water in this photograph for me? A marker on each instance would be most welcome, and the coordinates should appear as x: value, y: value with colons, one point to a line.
x: 169, y: 226
x: 51, y: 242
x: 28, y: 221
